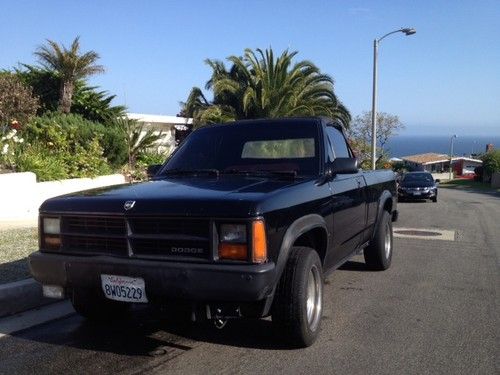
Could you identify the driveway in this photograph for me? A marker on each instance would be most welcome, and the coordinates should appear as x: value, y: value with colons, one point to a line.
x: 435, y: 311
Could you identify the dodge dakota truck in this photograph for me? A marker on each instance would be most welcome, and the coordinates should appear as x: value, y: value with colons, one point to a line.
x: 244, y: 220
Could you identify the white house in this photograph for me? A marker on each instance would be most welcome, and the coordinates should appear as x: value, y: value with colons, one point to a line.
x: 439, y: 163
x: 173, y: 128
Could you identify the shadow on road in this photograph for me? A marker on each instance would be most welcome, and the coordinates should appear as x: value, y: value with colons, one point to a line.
x: 148, y: 333
x: 354, y: 266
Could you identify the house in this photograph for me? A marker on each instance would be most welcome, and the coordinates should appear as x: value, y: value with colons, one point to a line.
x: 440, y: 163
x: 174, y: 129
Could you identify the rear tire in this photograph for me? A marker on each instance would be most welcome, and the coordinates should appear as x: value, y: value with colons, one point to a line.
x: 298, y: 303
x: 90, y: 305
x: 378, y: 254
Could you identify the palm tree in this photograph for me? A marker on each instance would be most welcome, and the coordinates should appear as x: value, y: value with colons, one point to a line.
x: 259, y: 86
x: 70, y: 65
x: 138, y: 138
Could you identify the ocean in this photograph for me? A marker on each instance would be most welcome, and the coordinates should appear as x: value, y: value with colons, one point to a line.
x: 405, y: 145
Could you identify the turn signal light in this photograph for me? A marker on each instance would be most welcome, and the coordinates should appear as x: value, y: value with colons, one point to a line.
x: 233, y: 251
x: 259, y: 253
x: 52, y: 242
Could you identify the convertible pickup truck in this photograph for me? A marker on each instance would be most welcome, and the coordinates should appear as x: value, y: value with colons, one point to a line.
x: 244, y: 220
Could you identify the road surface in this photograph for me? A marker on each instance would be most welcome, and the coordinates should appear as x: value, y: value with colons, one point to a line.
x: 434, y: 311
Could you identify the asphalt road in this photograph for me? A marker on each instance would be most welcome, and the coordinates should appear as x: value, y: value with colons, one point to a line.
x: 434, y: 312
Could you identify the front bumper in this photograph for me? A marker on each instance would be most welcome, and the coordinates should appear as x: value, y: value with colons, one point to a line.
x: 164, y: 280
x: 416, y: 194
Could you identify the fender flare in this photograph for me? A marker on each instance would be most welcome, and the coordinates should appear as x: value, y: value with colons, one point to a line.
x: 294, y: 231
x: 384, y: 197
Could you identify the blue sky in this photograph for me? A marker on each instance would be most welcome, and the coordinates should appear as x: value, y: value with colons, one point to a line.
x: 444, y: 79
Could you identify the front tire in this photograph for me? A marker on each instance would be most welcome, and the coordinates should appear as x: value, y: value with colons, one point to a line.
x: 378, y: 254
x: 435, y: 199
x: 298, y: 303
x: 92, y: 306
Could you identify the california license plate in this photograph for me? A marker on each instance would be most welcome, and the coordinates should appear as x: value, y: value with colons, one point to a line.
x: 123, y: 288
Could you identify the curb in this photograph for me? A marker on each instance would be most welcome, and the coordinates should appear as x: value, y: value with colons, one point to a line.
x: 21, y: 296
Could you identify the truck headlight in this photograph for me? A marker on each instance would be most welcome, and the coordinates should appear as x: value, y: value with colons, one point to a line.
x: 233, y: 242
x: 233, y: 233
x: 51, y: 233
x: 51, y: 225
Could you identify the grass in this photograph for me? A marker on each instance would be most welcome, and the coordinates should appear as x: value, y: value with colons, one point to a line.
x: 15, y: 246
x: 468, y: 185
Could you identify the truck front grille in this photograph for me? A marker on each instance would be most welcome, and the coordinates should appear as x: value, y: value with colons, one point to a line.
x: 136, y: 236
x: 95, y: 245
x: 95, y: 225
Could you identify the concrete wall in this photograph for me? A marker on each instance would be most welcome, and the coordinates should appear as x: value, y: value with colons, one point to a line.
x: 441, y: 176
x: 21, y: 195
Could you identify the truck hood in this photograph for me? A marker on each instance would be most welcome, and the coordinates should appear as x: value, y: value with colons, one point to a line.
x: 223, y: 196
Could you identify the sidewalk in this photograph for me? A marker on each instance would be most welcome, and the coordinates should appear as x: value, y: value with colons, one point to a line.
x: 24, y: 294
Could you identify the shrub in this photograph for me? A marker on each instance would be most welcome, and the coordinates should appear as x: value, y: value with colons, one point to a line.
x: 491, y: 162
x: 45, y: 164
x: 64, y: 146
x: 54, y: 128
x: 138, y: 171
x: 17, y: 102
x: 10, y: 146
x: 150, y: 158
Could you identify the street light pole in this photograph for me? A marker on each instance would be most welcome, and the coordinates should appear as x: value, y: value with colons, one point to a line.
x: 374, y: 104
x: 406, y: 31
x: 451, y: 153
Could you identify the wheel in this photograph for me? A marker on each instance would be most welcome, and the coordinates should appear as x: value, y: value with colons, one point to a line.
x: 92, y: 306
x: 298, y: 303
x: 434, y: 199
x: 378, y: 254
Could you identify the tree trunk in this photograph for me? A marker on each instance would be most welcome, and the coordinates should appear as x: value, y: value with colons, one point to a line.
x: 65, y: 96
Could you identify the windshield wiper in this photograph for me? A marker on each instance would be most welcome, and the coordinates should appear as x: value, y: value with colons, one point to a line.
x: 289, y: 173
x: 178, y: 171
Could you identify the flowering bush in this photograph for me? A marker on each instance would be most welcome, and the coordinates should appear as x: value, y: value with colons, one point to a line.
x: 10, y: 144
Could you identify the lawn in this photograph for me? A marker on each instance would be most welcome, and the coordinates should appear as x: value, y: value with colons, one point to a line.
x: 15, y: 246
x: 468, y: 185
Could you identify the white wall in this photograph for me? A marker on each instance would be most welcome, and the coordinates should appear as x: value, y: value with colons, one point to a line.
x: 21, y: 195
x: 442, y: 176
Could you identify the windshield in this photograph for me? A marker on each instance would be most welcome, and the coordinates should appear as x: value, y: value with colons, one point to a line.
x: 418, y: 177
x: 250, y: 148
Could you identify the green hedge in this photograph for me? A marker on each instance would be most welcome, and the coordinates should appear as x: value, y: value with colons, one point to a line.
x: 59, y: 146
x: 67, y: 128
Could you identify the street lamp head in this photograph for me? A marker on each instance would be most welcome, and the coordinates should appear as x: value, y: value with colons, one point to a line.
x: 409, y: 31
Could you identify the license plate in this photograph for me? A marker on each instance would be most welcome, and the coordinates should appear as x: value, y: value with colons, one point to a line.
x: 417, y: 193
x: 123, y: 288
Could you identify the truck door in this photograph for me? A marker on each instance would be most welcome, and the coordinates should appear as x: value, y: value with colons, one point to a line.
x: 348, y: 204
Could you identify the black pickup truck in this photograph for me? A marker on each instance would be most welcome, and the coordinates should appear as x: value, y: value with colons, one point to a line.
x: 244, y: 220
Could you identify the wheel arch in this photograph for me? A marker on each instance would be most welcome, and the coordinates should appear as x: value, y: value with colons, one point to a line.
x: 309, y: 230
x: 385, y: 203
x: 299, y: 234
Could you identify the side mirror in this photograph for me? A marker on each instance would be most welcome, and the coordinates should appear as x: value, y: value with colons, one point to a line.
x: 437, y: 181
x: 344, y: 166
x: 153, y: 169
